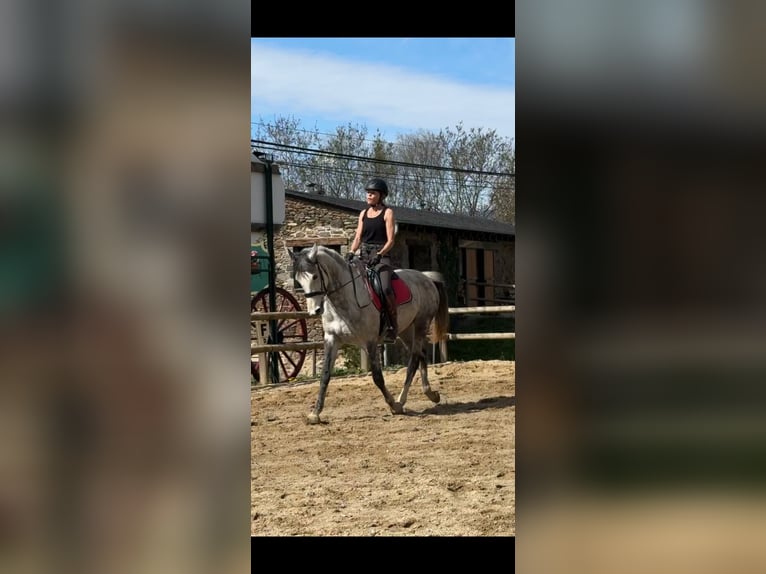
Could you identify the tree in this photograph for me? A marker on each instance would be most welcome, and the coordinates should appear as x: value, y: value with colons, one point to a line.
x: 463, y: 173
x: 296, y: 165
x: 466, y: 172
x: 421, y: 188
x: 503, y: 199
x: 343, y: 171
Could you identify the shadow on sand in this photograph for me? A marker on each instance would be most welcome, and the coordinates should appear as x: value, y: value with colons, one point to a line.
x: 447, y: 408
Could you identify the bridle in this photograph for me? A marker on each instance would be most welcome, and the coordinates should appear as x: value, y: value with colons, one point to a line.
x: 326, y: 294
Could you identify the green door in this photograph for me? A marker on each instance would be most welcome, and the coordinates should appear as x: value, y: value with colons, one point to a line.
x: 259, y: 268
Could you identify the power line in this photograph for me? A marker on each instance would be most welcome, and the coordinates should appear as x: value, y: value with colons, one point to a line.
x: 317, y: 133
x: 361, y: 173
x: 318, y: 152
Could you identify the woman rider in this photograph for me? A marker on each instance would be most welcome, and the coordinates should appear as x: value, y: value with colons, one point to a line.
x: 375, y: 235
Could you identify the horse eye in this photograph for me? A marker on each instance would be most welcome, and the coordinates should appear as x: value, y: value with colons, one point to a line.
x: 314, y: 276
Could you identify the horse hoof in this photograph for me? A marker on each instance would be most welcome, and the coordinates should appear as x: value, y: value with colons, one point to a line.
x: 434, y: 396
x: 312, y: 419
x: 397, y: 408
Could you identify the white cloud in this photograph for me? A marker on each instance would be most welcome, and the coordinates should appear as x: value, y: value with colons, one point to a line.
x: 291, y: 82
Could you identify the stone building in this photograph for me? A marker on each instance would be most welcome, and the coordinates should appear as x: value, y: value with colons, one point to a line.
x: 475, y: 255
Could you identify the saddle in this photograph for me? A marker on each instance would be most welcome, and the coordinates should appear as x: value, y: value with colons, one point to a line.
x: 375, y: 288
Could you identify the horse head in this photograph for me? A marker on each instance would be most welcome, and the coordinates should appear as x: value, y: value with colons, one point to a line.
x: 309, y: 275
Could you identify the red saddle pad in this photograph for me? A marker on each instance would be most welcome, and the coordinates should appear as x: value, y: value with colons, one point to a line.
x: 401, y: 290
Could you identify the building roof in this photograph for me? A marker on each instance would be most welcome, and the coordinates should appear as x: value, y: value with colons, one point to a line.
x: 409, y: 216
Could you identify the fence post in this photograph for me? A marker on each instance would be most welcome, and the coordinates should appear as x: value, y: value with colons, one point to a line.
x: 263, y: 358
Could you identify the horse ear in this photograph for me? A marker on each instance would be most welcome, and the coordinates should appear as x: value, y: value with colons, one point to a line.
x: 312, y: 256
x: 290, y: 253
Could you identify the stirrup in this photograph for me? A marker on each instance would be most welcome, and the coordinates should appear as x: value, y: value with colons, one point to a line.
x: 389, y: 335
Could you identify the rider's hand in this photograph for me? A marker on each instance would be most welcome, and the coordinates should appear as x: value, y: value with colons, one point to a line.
x: 350, y: 256
x: 375, y: 260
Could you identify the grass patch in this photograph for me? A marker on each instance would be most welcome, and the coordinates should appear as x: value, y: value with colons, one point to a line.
x: 343, y: 371
x: 482, y: 350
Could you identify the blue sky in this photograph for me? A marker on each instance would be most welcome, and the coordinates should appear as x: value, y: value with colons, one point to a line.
x: 395, y: 85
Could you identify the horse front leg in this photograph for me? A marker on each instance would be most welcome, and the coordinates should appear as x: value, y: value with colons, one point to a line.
x: 330, y: 354
x: 377, y: 378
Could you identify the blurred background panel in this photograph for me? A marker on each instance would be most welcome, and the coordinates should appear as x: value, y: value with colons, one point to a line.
x: 641, y: 318
x: 123, y: 279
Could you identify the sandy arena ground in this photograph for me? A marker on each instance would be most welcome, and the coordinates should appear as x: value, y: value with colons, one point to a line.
x: 438, y: 470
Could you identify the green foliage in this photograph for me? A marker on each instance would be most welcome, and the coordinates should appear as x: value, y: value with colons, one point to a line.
x: 482, y: 350
x: 353, y: 362
x: 352, y: 356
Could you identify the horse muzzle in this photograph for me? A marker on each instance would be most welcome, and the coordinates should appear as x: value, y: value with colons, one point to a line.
x: 317, y: 310
x: 313, y: 308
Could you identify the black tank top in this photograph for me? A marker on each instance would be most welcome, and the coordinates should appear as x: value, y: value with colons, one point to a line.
x: 374, y: 228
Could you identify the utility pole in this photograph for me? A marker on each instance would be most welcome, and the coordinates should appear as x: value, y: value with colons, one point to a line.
x: 273, y: 357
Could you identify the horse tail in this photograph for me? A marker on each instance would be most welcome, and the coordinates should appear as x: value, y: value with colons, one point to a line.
x: 440, y: 322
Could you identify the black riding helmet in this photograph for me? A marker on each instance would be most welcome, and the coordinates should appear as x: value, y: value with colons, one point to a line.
x: 379, y: 185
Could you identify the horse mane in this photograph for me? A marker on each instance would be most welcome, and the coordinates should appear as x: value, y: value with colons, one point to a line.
x: 332, y: 253
x: 323, y: 250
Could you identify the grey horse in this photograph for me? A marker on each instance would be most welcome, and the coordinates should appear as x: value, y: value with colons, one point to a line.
x: 336, y: 290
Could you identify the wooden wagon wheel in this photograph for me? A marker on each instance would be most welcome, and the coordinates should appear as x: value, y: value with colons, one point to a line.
x: 288, y: 331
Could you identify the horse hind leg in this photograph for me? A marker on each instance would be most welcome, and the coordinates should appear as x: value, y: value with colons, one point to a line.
x: 377, y: 378
x: 412, y: 367
x: 418, y: 358
x: 433, y: 396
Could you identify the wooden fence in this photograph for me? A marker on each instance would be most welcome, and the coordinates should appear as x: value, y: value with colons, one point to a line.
x: 469, y: 336
x: 262, y: 349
